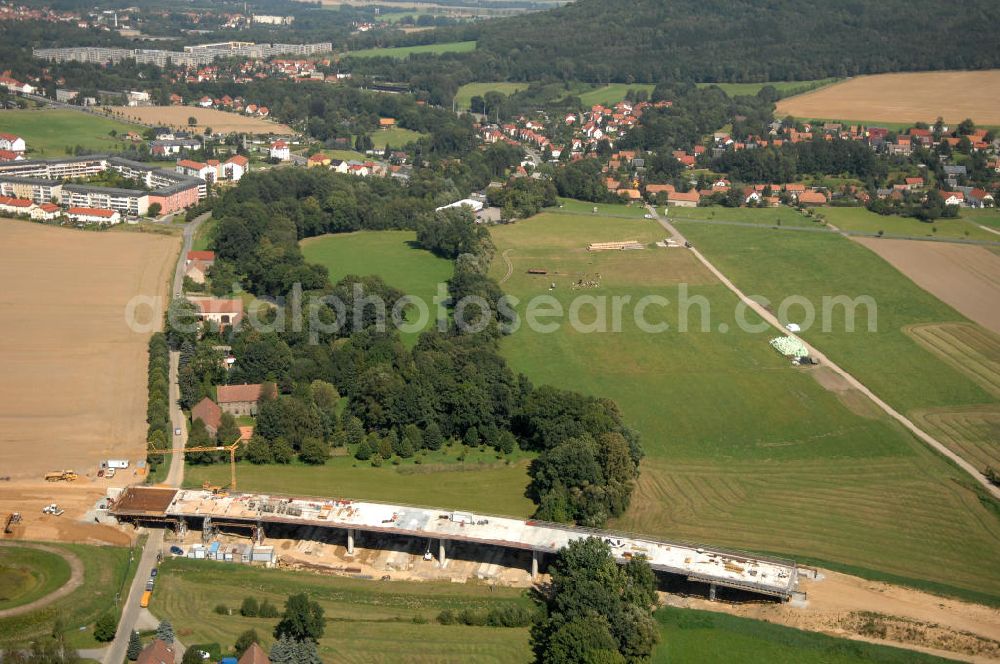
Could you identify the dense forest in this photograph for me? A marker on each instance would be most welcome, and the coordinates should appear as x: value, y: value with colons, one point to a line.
x: 724, y: 41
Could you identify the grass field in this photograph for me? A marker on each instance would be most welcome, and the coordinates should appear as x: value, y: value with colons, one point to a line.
x: 609, y: 95
x: 743, y: 449
x: 402, y: 52
x: 904, y: 97
x: 397, y: 137
x: 29, y: 574
x: 480, y: 484
x: 784, y: 87
x: 781, y: 216
x: 463, y: 97
x: 690, y: 635
x: 861, y: 220
x: 990, y: 218
x: 106, y: 572
x: 391, y: 255
x: 49, y: 132
x: 366, y: 621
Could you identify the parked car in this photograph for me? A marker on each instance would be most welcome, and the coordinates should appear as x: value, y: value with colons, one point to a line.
x: 176, y: 551
x: 154, y: 572
x: 149, y: 585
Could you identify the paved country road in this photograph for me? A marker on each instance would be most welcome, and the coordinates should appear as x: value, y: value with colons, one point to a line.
x: 115, y: 654
x: 929, y: 440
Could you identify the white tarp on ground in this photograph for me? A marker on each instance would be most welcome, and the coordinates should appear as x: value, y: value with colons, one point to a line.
x: 789, y: 347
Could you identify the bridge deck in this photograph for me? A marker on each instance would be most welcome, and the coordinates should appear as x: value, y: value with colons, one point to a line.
x: 771, y: 576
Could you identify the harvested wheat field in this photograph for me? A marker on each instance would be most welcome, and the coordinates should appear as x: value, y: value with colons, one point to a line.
x: 964, y: 276
x: 910, y: 97
x: 73, y: 385
x: 221, y: 122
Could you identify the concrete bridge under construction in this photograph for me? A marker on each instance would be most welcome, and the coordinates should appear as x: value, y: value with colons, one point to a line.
x: 715, y: 567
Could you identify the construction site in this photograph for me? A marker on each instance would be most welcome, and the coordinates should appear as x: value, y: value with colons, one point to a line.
x: 367, y: 538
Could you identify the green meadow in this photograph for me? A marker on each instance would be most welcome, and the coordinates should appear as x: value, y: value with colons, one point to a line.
x: 743, y: 449
x: 480, y: 483
x: 392, y: 255
x: 49, y: 132
x: 859, y: 219
x: 397, y: 137
x: 29, y: 574
x: 107, y: 571
x: 609, y: 95
x: 366, y: 620
x: 403, y: 52
x: 463, y: 98
x: 690, y: 635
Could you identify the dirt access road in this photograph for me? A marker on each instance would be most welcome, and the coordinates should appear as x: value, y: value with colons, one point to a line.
x: 853, y: 382
x: 73, y: 385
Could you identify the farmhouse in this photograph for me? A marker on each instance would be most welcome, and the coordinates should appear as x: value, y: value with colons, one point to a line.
x: 280, y: 151
x: 12, y: 143
x: 954, y: 198
x: 196, y: 265
x: 46, y: 212
x: 239, y: 400
x: 812, y: 198
x: 158, y: 652
x: 162, y: 148
x: 94, y: 215
x: 208, y: 412
x: 222, y: 312
x: 684, y: 199
x: 15, y: 206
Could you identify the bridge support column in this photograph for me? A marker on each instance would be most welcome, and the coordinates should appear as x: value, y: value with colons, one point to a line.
x: 350, y: 541
x: 441, y: 554
x: 711, y: 592
x: 536, y: 557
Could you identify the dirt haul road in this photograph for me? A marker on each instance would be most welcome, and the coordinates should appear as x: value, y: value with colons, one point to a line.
x: 73, y: 385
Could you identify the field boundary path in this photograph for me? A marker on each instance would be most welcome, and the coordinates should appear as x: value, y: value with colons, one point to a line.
x: 74, y: 582
x: 831, y: 228
x: 510, y: 266
x: 852, y: 381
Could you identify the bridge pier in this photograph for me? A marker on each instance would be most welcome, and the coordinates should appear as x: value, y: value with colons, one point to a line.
x: 441, y: 553
x: 350, y: 541
x: 711, y: 592
x: 535, y: 558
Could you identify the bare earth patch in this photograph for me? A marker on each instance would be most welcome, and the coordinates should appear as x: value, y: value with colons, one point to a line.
x: 73, y: 384
x: 964, y: 276
x: 851, y: 607
x: 222, y: 122
x: 910, y: 97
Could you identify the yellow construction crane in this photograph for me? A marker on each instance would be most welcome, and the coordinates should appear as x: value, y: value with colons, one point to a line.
x: 213, y: 448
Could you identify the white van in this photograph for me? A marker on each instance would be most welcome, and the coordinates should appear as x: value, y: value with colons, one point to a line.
x: 120, y: 464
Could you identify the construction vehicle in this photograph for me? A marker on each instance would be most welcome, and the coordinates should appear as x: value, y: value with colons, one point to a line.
x: 53, y: 509
x: 12, y: 520
x: 213, y: 448
x: 146, y: 596
x: 61, y: 476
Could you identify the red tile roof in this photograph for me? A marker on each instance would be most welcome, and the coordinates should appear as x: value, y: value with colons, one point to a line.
x: 688, y: 196
x: 91, y: 212
x: 217, y: 306
x: 254, y: 655
x: 208, y: 412
x: 238, y: 393
x: 238, y: 159
x: 201, y: 256
x: 16, y: 202
x: 187, y: 163
x: 157, y: 652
